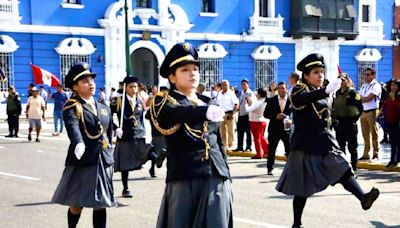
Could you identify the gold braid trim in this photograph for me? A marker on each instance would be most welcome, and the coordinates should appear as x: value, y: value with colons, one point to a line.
x: 305, y: 87
x: 79, y: 115
x: 153, y: 115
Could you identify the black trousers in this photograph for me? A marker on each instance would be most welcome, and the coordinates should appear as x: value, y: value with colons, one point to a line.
x: 346, y: 132
x: 243, y: 126
x: 273, y: 139
x: 13, y: 123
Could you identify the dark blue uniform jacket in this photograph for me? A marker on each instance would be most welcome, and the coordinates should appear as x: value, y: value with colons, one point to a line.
x: 76, y: 133
x: 311, y: 131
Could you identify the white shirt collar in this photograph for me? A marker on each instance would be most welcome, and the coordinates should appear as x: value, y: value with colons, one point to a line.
x: 89, y: 101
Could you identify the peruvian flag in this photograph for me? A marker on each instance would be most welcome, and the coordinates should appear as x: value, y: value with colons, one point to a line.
x: 44, y: 77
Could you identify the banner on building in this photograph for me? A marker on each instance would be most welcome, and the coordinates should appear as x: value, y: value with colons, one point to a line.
x: 42, y: 76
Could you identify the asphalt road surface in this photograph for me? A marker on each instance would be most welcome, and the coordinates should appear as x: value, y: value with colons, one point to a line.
x: 30, y: 172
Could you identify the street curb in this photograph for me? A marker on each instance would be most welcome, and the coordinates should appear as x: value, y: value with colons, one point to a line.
x: 360, y: 165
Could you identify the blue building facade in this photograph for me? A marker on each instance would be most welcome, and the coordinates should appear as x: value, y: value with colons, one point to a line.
x: 254, y: 39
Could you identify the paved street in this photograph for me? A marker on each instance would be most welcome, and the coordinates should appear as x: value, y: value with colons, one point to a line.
x: 29, y: 174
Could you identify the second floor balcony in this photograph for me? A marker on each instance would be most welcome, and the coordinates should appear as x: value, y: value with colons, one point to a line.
x: 370, y: 30
x: 9, y: 13
x: 267, y: 26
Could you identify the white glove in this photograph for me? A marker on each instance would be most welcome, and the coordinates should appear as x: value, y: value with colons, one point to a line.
x: 333, y: 85
x: 119, y: 132
x: 79, y: 150
x: 215, y: 113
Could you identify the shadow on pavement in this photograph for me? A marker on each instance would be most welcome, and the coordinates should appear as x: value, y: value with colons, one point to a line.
x: 381, y: 225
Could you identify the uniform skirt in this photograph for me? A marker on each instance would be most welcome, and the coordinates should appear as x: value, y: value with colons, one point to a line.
x: 86, y: 186
x: 131, y: 155
x: 198, y: 203
x: 306, y: 174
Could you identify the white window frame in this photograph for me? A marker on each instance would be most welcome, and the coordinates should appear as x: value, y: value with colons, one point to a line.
x: 7, y: 48
x: 367, y: 57
x: 72, y: 4
x: 265, y: 65
x: 71, y: 51
x: 211, y: 63
x: 271, y: 8
x: 372, y: 10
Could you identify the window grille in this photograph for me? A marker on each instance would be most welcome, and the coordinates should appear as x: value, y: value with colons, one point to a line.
x: 362, y: 65
x: 6, y: 71
x: 143, y: 3
x: 207, y: 6
x: 210, y: 71
x: 67, y: 61
x: 265, y: 73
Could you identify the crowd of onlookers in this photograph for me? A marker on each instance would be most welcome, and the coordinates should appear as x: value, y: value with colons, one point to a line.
x: 247, y: 111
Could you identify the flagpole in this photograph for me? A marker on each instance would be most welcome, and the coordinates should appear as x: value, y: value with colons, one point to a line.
x: 128, y: 63
x: 127, y: 54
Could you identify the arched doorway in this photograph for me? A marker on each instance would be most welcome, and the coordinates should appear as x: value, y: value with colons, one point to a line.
x: 144, y: 66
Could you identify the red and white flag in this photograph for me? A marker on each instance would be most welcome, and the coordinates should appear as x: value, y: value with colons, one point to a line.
x: 44, y: 77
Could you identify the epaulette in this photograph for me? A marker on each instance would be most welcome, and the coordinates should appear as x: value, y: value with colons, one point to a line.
x: 298, y: 88
x: 70, y: 103
x: 157, y: 104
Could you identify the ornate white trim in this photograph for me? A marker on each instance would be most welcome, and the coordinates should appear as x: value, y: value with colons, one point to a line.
x: 212, y: 50
x: 9, y: 12
x: 145, y: 14
x: 266, y: 52
x: 72, y: 6
x: 9, y: 45
x: 368, y: 54
x: 75, y: 46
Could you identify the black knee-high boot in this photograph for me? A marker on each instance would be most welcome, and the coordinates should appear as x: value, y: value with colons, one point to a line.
x: 72, y: 219
x: 351, y: 185
x: 99, y: 218
x: 124, y: 178
x: 298, y: 206
x: 152, y: 170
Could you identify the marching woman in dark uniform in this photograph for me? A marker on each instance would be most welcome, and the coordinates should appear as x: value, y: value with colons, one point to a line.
x: 131, y: 150
x: 87, y: 177
x: 198, y: 187
x: 315, y: 160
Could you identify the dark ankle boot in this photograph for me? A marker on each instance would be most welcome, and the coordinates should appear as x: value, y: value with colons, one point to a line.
x: 369, y: 198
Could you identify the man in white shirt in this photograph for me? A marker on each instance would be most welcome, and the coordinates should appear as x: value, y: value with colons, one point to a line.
x: 35, y: 108
x: 370, y: 94
x: 227, y: 99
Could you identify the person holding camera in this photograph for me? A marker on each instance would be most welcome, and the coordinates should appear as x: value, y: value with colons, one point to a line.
x: 227, y: 100
x: 347, y: 108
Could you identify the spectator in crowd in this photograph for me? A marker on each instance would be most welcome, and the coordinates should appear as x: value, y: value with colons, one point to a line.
x: 293, y: 80
x: 102, y: 96
x: 13, y: 112
x: 30, y: 86
x: 153, y: 93
x: 381, y: 118
x: 143, y: 94
x: 278, y: 111
x: 258, y: 122
x: 272, y: 89
x: 347, y: 108
x: 35, y: 111
x: 59, y: 98
x: 43, y: 93
x: 391, y: 111
x: 201, y: 88
x: 243, y: 124
x: 215, y: 90
x: 315, y: 161
x: 227, y: 100
x: 370, y: 96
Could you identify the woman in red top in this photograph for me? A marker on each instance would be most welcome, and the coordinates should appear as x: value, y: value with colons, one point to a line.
x: 391, y: 112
